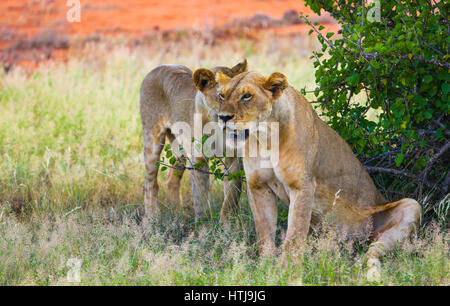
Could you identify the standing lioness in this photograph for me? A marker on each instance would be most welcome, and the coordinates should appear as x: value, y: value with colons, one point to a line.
x: 316, y: 173
x: 168, y: 96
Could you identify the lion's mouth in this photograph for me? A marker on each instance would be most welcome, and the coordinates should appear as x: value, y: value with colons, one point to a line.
x: 237, y: 135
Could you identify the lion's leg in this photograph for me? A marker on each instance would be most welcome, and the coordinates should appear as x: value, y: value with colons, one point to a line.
x: 200, y: 189
x: 232, y: 189
x: 173, y: 184
x: 153, y: 145
x: 299, y: 219
x: 175, y: 176
x: 392, y: 226
x: 263, y: 204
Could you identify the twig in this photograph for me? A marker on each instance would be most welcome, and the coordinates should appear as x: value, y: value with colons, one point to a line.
x: 390, y: 171
x: 317, y: 31
x: 434, y: 158
x: 73, y: 210
x: 419, y: 58
x: 190, y: 168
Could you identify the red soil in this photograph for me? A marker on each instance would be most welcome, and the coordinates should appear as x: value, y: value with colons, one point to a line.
x: 135, y: 16
x: 24, y: 20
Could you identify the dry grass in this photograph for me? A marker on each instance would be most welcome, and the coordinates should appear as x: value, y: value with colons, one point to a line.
x: 119, y: 251
x: 71, y: 177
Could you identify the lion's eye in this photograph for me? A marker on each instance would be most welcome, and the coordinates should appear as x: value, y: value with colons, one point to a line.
x: 221, y: 97
x: 246, y: 97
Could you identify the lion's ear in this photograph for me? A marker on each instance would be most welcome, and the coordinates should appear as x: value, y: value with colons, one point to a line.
x: 276, y: 83
x: 204, y: 79
x: 239, y: 68
x: 222, y: 78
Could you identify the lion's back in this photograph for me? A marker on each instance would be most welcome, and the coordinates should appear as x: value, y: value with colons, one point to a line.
x: 167, y: 90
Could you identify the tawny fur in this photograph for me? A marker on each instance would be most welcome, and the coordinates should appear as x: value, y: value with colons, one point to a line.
x: 168, y: 95
x: 317, y: 173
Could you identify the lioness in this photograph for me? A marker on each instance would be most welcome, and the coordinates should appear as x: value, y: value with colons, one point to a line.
x: 317, y: 173
x: 167, y: 96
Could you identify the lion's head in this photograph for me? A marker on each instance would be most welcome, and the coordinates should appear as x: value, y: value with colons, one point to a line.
x: 205, y: 81
x: 242, y: 101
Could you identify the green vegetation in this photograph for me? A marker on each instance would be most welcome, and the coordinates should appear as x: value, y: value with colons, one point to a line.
x: 395, y: 65
x: 115, y: 250
x: 71, y: 180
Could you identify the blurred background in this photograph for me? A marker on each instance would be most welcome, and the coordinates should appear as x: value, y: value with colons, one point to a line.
x: 33, y: 31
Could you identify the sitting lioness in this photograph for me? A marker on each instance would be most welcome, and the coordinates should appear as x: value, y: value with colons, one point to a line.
x: 168, y: 95
x: 316, y: 173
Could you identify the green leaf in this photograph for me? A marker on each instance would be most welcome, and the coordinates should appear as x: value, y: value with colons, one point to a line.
x: 353, y: 80
x: 199, y: 164
x: 445, y: 88
x: 204, y: 138
x: 419, y: 98
x: 399, y: 159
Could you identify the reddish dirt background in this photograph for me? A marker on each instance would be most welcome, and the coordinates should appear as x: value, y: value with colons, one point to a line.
x: 27, y: 26
x: 135, y: 16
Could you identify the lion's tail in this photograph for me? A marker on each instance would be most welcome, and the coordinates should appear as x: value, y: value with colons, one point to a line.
x: 387, y: 206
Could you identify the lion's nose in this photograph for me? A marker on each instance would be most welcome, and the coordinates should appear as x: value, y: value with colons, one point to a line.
x: 225, y: 118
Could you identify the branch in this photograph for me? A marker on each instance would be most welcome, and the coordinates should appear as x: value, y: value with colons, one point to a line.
x: 190, y: 168
x: 395, y: 172
x: 381, y: 155
x: 419, y: 58
x: 434, y: 158
x: 317, y: 31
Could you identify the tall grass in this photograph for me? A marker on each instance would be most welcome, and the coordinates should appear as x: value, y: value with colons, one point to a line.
x: 70, y: 134
x: 71, y: 178
x: 115, y: 250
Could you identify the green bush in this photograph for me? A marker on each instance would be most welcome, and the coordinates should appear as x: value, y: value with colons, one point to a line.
x: 383, y: 85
